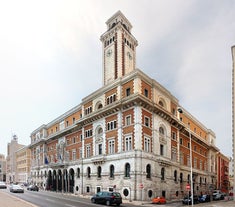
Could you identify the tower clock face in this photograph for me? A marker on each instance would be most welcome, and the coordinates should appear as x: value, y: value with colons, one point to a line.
x: 109, y: 53
x: 129, y: 55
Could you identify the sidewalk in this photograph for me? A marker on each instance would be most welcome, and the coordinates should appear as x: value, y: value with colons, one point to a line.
x: 7, y: 200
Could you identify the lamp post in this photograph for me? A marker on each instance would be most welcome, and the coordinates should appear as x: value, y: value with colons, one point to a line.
x: 191, y: 161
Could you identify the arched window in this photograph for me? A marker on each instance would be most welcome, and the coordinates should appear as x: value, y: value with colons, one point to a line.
x: 188, y: 178
x: 111, y: 171
x: 99, y: 169
x: 163, y: 173
x: 181, y: 177
x: 175, y: 175
x: 88, y: 172
x: 78, y: 172
x: 161, y: 103
x: 127, y: 170
x: 148, y: 171
x: 100, y: 131
x: 100, y: 106
x: 161, y: 131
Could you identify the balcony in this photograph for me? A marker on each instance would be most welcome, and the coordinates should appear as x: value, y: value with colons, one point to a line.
x: 98, y: 160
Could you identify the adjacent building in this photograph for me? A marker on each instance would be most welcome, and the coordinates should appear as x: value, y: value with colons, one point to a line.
x: 23, y: 165
x: 2, y: 168
x: 223, y: 173
x: 11, y: 167
x: 126, y: 136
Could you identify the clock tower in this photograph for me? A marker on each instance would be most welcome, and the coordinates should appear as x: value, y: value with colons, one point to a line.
x: 119, y: 48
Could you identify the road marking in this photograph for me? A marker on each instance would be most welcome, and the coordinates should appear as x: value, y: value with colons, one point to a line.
x: 50, y: 200
x: 70, y: 205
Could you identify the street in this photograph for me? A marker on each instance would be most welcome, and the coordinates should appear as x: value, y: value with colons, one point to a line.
x: 53, y: 199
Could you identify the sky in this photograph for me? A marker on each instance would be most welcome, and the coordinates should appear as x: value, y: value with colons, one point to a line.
x: 51, y: 58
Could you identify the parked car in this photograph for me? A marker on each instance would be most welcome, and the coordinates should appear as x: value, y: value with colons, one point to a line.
x: 217, y: 195
x: 33, y: 188
x: 3, y: 185
x: 107, y: 198
x: 16, y: 189
x: 159, y: 200
x: 188, y: 200
x: 204, y: 198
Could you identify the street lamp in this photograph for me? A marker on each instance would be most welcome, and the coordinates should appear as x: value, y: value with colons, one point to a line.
x: 191, y: 162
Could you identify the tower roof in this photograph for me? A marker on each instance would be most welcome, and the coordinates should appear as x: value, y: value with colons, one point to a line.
x: 116, y: 18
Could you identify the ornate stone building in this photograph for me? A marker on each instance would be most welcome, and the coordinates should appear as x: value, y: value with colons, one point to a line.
x: 127, y: 136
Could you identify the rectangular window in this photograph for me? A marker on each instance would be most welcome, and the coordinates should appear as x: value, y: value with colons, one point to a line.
x: 80, y: 153
x: 173, y: 135
x: 161, y: 149
x: 128, y: 143
x: 146, y: 93
x: 195, y: 163
x: 74, y: 155
x: 128, y: 120
x: 111, y: 147
x: 88, y: 133
x: 128, y: 92
x: 147, y: 144
x: 181, y: 141
x: 62, y: 125
x: 74, y: 120
x: 174, y: 154
x: 188, y: 160
x: 181, y: 158
x: 100, y: 149
x: 112, y: 125
x: 88, y: 151
x: 146, y: 121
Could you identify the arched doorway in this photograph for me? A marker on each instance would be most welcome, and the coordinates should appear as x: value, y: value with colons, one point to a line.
x: 60, y: 178
x: 65, y: 180
x: 71, y: 180
x: 54, y: 181
x: 49, y: 181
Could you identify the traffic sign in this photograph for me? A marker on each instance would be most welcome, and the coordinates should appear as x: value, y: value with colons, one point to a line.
x: 141, y: 185
x: 187, y: 186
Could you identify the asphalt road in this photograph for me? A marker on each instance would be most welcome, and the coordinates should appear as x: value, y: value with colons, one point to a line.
x: 52, y: 199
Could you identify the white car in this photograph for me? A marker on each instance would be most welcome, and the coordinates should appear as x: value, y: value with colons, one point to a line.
x: 3, y: 185
x: 16, y: 189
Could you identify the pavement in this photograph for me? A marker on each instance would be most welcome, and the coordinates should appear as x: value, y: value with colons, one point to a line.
x: 8, y: 200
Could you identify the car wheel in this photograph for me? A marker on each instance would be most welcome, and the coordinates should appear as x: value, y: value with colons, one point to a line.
x: 118, y: 204
x: 108, y: 203
x: 93, y: 200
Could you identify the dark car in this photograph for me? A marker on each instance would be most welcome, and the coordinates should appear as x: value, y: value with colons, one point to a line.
x: 108, y: 198
x: 204, y: 198
x: 188, y: 200
x: 33, y: 188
